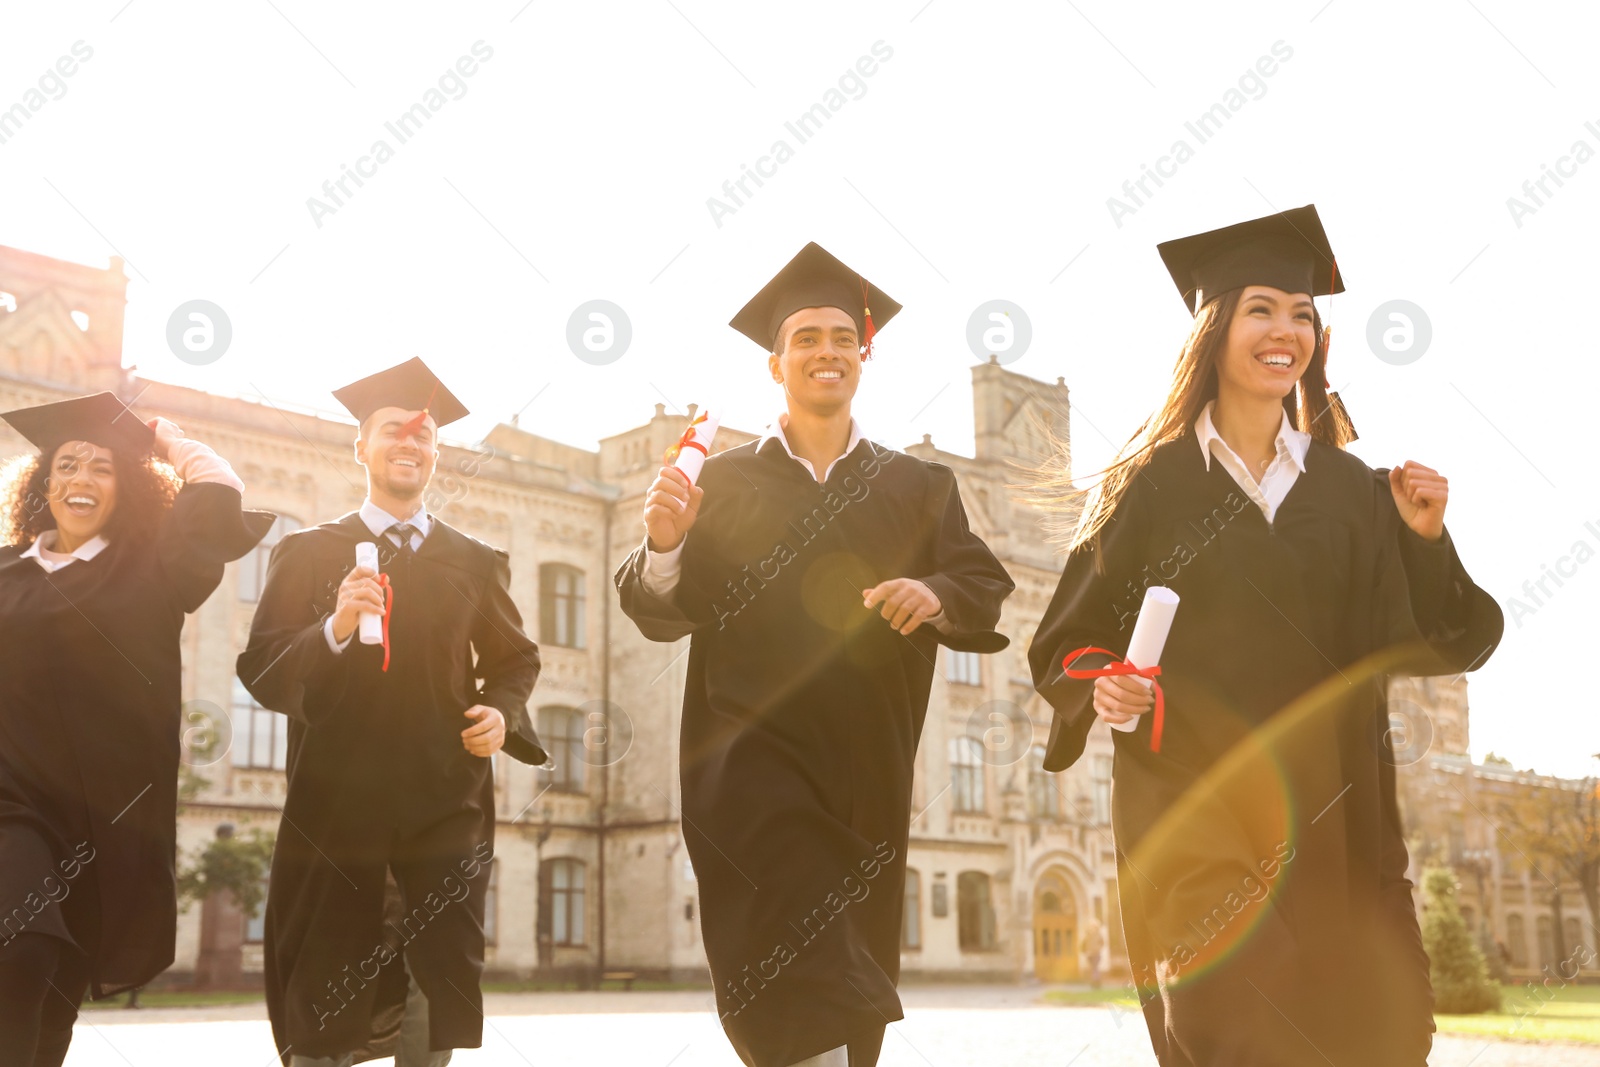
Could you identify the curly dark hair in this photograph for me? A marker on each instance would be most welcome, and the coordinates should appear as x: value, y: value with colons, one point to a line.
x: 146, y: 488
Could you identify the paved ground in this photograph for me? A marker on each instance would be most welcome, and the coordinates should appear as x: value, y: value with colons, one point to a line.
x: 955, y: 1026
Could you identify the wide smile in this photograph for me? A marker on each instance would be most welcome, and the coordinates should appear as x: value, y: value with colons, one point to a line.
x: 827, y: 374
x: 81, y: 504
x: 406, y: 463
x: 1276, y: 360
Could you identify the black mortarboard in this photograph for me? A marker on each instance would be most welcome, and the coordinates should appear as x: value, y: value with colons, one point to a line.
x: 1287, y: 251
x: 815, y: 279
x: 99, y: 418
x: 411, y: 386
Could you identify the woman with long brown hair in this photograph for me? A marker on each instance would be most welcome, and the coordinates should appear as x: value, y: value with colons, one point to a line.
x: 1261, y: 867
x: 112, y: 533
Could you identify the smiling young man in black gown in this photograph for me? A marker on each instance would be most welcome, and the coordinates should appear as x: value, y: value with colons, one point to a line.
x: 389, y: 745
x: 817, y: 573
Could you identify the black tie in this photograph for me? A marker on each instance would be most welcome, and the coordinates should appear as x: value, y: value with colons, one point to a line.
x: 402, y: 533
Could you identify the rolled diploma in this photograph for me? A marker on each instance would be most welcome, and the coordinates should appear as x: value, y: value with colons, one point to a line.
x: 1149, y: 638
x: 372, y: 621
x: 690, y: 460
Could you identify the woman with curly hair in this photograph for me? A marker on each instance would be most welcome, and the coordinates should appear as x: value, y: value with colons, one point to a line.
x: 1260, y: 861
x: 104, y: 556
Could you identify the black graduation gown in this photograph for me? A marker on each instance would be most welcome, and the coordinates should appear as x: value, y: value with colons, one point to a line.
x: 801, y: 716
x: 379, y: 781
x: 90, y: 703
x: 1261, y: 867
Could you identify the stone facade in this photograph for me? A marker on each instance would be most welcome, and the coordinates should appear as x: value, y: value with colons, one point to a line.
x: 1009, y: 864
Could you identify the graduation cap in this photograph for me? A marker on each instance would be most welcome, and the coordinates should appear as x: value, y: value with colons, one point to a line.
x: 410, y: 386
x: 815, y: 279
x: 1287, y: 251
x: 99, y: 418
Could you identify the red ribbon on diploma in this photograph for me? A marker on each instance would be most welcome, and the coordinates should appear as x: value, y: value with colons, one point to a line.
x: 1121, y: 667
x: 388, y: 609
x: 688, y: 441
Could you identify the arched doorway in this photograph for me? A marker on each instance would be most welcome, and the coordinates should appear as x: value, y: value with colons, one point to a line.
x: 1055, y: 930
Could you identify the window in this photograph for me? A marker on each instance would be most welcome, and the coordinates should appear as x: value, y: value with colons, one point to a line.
x: 561, y: 616
x: 1102, y: 790
x: 1572, y: 941
x: 1547, y: 949
x: 1516, y: 940
x: 911, y: 927
x: 561, y: 884
x: 255, y: 924
x: 561, y: 730
x: 1044, y: 798
x: 260, y: 737
x: 253, y: 568
x: 974, y: 912
x: 966, y: 773
x: 963, y: 668
x: 491, y: 903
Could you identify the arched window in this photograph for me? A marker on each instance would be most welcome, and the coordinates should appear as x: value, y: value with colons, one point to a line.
x: 253, y: 567
x: 1044, y: 797
x: 561, y: 899
x: 260, y: 737
x: 911, y: 927
x: 561, y: 599
x: 1573, y: 940
x: 1547, y: 948
x: 1516, y: 940
x: 974, y: 912
x: 966, y: 773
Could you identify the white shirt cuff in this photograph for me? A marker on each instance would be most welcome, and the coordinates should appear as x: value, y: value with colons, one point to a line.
x: 662, y: 570
x: 940, y: 622
x: 196, y: 462
x: 336, y: 646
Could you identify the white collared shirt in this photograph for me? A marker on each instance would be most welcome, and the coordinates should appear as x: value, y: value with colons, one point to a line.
x: 43, y: 552
x: 379, y: 522
x: 1287, y: 465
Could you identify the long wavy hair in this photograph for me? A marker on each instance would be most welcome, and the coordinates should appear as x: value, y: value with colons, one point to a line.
x: 146, y: 488
x: 1076, y: 517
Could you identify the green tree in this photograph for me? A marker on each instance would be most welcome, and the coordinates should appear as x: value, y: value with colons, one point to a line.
x: 1461, y: 984
x: 236, y: 864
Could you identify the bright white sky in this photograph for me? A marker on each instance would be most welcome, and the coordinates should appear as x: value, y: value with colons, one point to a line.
x: 975, y: 165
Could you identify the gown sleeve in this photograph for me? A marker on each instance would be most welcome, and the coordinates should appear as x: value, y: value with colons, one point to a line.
x: 658, y: 618
x: 1083, y: 613
x: 207, y: 528
x: 1428, y: 607
x: 969, y: 582
x: 507, y: 663
x: 287, y: 664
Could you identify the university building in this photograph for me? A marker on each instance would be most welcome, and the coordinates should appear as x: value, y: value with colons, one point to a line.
x: 1008, y: 864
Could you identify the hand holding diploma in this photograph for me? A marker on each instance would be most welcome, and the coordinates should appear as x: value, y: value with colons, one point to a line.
x: 672, y: 502
x: 1124, y: 691
x: 359, y: 594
